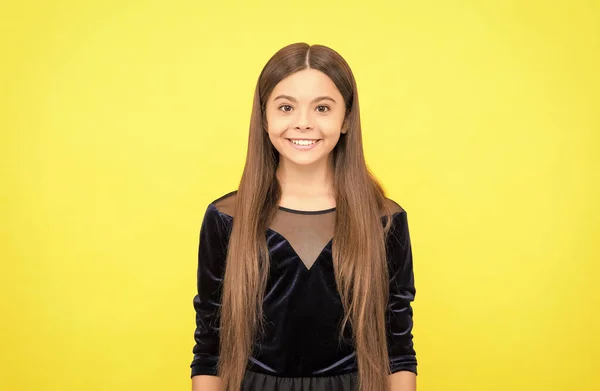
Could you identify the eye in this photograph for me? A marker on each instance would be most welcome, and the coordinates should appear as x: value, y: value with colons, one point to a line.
x: 285, y: 106
x: 323, y: 111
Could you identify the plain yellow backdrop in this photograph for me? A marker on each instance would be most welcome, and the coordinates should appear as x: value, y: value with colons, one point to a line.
x: 121, y: 120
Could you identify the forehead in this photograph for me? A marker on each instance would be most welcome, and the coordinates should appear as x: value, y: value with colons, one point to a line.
x: 307, y: 83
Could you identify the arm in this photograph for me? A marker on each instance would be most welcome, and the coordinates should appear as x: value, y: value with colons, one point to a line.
x: 403, y: 361
x: 403, y: 381
x: 205, y: 383
x: 207, y: 301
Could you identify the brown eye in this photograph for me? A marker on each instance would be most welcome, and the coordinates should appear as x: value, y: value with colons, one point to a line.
x: 285, y: 106
x: 323, y: 111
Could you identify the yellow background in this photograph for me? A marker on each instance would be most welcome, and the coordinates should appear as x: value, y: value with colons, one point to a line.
x: 121, y: 120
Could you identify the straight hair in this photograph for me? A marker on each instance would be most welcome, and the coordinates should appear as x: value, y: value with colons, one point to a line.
x: 358, y: 247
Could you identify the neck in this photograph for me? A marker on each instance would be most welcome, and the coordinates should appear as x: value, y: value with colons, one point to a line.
x: 306, y: 182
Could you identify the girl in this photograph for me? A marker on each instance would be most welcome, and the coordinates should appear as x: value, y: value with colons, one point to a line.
x: 305, y: 275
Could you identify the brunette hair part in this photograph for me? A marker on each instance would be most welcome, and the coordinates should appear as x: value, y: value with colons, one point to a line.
x: 358, y: 248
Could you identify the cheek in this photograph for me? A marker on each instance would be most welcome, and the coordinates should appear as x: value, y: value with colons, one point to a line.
x: 330, y: 122
x: 277, y: 124
x: 330, y: 125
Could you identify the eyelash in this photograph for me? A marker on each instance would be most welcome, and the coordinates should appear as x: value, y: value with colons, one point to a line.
x: 328, y: 108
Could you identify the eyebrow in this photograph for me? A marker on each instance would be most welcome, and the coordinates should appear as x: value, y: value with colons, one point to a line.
x: 291, y: 98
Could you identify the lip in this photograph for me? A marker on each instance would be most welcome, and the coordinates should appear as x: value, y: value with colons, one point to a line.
x: 304, y: 147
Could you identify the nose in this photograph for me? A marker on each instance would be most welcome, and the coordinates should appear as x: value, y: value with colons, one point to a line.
x: 304, y: 121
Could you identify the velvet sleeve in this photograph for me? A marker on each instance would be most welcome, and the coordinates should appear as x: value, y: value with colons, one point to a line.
x: 207, y: 301
x: 399, y: 316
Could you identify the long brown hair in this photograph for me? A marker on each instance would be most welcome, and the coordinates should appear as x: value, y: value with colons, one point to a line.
x: 358, y: 248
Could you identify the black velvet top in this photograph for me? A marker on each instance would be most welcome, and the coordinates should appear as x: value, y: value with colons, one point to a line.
x: 302, y: 307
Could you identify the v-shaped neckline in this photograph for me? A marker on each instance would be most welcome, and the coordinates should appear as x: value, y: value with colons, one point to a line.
x: 289, y: 244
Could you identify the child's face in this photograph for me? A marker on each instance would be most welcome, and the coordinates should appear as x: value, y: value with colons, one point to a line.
x: 305, y: 106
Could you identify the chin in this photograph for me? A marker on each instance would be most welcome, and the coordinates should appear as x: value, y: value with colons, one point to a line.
x: 302, y: 161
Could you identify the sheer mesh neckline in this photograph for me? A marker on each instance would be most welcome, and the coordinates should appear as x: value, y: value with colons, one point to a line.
x: 305, y: 234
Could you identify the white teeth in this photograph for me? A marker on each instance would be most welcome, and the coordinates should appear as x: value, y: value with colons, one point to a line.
x: 303, y: 142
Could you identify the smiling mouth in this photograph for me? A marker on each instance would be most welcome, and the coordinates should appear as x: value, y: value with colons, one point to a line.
x: 307, y: 144
x: 303, y: 141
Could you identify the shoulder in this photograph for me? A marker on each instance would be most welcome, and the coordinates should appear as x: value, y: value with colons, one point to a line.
x: 393, y: 206
x: 399, y: 232
x: 398, y: 214
x: 217, y: 215
x: 224, y: 204
x: 225, y: 197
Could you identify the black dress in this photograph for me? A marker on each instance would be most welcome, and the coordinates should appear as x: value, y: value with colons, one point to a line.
x: 300, y: 349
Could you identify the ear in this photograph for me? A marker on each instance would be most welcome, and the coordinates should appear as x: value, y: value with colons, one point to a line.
x: 345, y: 126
